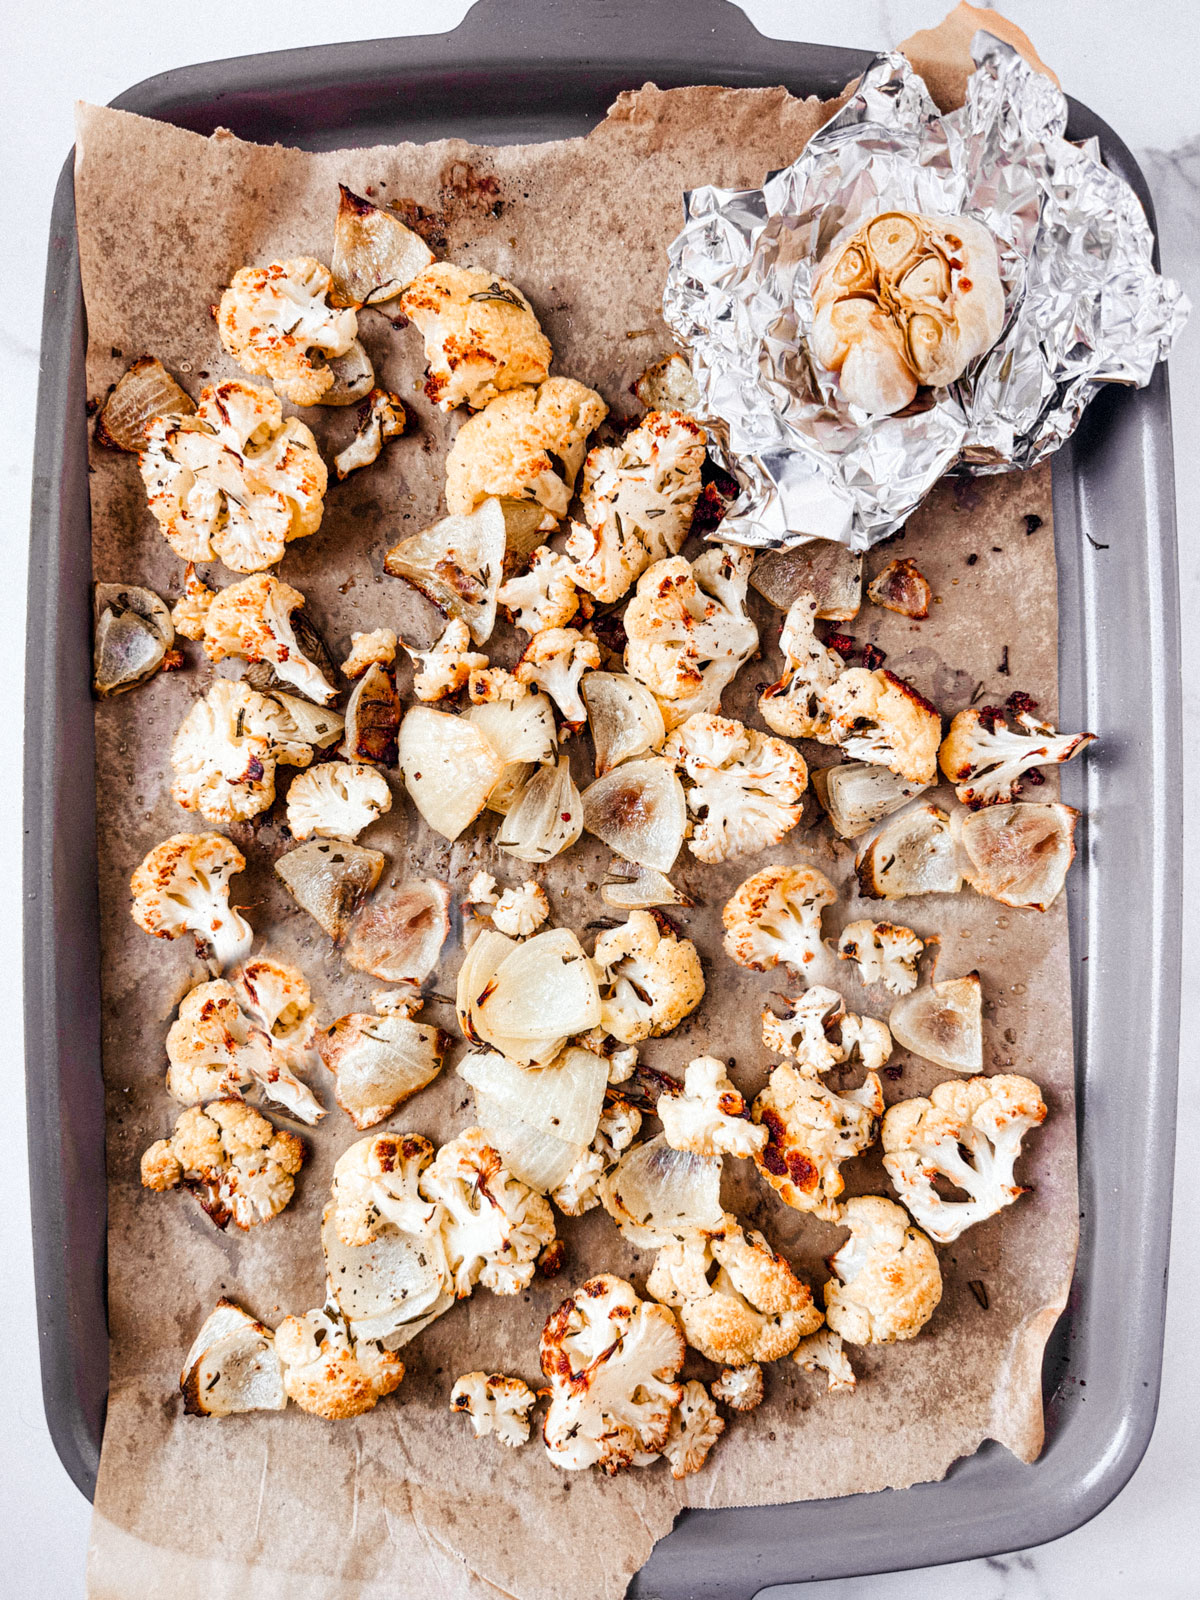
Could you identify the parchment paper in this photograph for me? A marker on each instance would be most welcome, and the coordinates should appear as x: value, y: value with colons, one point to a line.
x: 404, y: 1500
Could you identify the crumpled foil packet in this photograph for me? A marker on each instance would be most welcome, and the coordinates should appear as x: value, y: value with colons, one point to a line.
x: 1084, y: 305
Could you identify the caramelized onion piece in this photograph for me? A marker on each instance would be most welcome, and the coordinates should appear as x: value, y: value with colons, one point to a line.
x: 372, y: 719
x: 545, y: 817
x: 545, y: 984
x: 902, y: 587
x: 540, y: 1159
x: 458, y: 564
x: 146, y: 391
x: 1018, y: 854
x: 858, y: 794
x: 914, y: 853
x: 134, y: 631
x: 824, y: 567
x: 632, y: 888
x: 330, y: 880
x: 375, y: 257
x: 943, y: 1022
x: 639, y: 811
x: 564, y: 1099
x: 656, y: 1194
x: 625, y: 718
x: 398, y: 937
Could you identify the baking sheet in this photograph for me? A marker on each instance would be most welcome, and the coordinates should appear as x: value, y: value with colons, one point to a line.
x: 413, y: 1489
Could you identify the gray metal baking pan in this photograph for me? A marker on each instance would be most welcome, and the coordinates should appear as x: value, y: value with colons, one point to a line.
x: 525, y: 70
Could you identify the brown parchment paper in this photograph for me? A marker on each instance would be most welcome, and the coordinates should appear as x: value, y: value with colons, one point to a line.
x: 404, y: 1501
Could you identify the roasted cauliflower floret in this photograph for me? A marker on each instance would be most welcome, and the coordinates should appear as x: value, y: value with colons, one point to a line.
x: 709, y: 1117
x: 695, y: 1428
x: 507, y: 448
x: 812, y: 1131
x: 182, y: 886
x: 234, y: 480
x: 520, y: 912
x: 795, y: 706
x: 367, y: 650
x: 253, y: 619
x: 495, y: 1404
x: 888, y: 1281
x: 446, y: 666
x: 543, y: 597
x: 327, y: 1373
x: 775, y: 917
x: 741, y: 1388
x: 969, y: 1132
x: 754, y: 1309
x: 336, y: 800
x: 823, y: 1350
x: 555, y: 660
x: 226, y: 749
x: 817, y: 1033
x: 488, y: 685
x: 494, y: 1226
x: 217, y: 1048
x: 650, y: 979
x: 271, y: 317
x: 689, y: 630
x: 876, y: 717
x: 745, y: 787
x: 611, y: 1362
x: 638, y: 501
x: 190, y: 610
x: 381, y: 417
x: 985, y: 758
x: 237, y: 1165
x: 376, y: 1185
x: 481, y: 335
x: 883, y: 952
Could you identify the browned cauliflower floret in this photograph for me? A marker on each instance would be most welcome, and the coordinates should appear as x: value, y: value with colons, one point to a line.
x: 876, y: 717
x: 367, y: 650
x: 650, y: 979
x: 226, y: 750
x: 446, y: 666
x: 336, y: 800
x: 794, y: 706
x: 709, y: 1117
x: 741, y: 1388
x: 969, y: 1133
x: 695, y: 1428
x: 618, y: 1127
x: 327, y: 1373
x: 817, y: 1033
x: 638, y: 501
x: 481, y: 335
x: 494, y: 1226
x: 271, y: 317
x: 182, y: 886
x: 237, y: 1165
x: 555, y: 660
x: 823, y: 1350
x: 543, y: 597
x: 190, y: 610
x: 375, y: 1186
x: 507, y: 448
x: 689, y: 630
x: 495, y: 1404
x: 611, y: 1362
x: 775, y: 917
x: 985, y: 758
x: 812, y: 1131
x: 234, y: 480
x: 753, y: 1309
x: 745, y: 788
x: 888, y: 1282
x: 883, y: 953
x: 253, y: 619
x: 520, y: 912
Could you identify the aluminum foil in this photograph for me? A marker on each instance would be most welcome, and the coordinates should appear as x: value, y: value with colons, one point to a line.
x: 1084, y: 305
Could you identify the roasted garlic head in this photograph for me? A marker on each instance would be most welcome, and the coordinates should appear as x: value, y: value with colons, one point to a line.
x: 906, y: 300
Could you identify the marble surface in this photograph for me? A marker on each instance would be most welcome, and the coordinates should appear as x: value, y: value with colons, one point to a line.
x: 1132, y: 73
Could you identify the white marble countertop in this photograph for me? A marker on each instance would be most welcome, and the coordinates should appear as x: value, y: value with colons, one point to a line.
x: 1129, y: 65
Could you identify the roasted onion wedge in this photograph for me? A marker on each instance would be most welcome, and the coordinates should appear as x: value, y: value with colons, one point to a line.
x: 458, y: 564
x: 330, y: 880
x: 639, y: 811
x: 1018, y: 854
x: 625, y: 718
x: 375, y: 257
x: 398, y: 935
x: 146, y: 391
x: 943, y: 1022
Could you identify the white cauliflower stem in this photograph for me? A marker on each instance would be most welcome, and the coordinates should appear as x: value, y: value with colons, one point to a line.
x: 709, y: 1117
x: 745, y: 787
x: 234, y: 480
x: 985, y: 759
x: 611, y: 1362
x: 380, y: 417
x: 182, y: 886
x: 775, y: 917
x: 888, y: 1282
x: 968, y: 1132
x: 650, y: 979
x: 336, y: 800
x: 494, y: 1225
x: 239, y: 1168
x: 883, y: 953
x: 271, y: 317
x: 495, y: 1404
